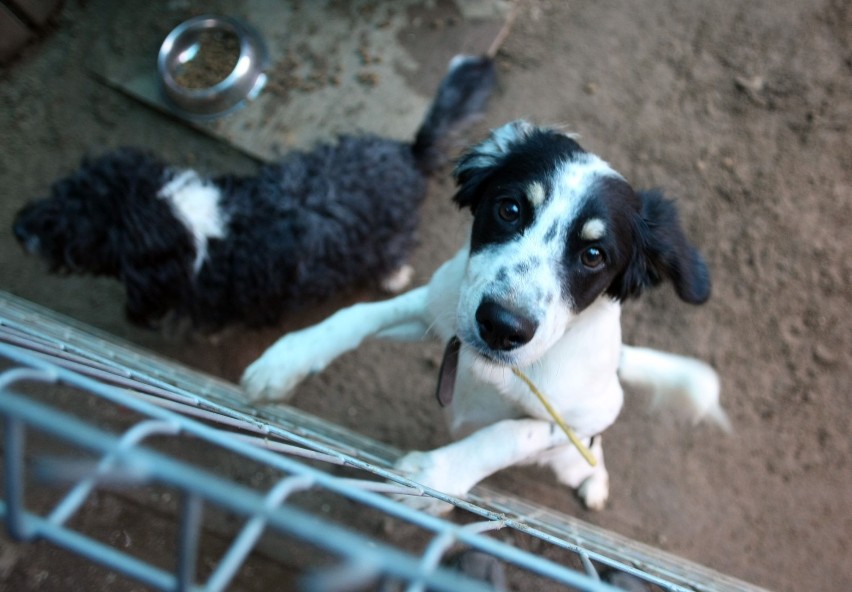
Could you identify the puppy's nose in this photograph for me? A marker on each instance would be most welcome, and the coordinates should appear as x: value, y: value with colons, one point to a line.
x: 501, y: 328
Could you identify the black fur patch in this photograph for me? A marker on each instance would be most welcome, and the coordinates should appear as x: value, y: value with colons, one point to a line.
x: 643, y: 245
x: 551, y: 233
x: 310, y: 227
x: 662, y: 252
x: 533, y: 157
x: 611, y: 200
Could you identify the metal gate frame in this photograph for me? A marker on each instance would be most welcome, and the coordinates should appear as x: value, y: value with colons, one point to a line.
x: 174, y: 401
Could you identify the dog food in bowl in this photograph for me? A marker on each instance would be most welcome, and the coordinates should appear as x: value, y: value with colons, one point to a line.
x: 211, y: 65
x: 216, y: 55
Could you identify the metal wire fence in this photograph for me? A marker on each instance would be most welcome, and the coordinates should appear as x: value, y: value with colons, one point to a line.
x: 161, y: 400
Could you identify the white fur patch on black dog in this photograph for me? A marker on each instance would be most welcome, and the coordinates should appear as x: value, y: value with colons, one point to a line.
x: 196, y: 203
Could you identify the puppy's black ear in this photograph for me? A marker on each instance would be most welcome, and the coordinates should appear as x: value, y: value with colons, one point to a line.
x: 476, y: 165
x: 661, y: 251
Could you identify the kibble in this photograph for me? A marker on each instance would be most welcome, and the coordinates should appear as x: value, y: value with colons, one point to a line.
x: 217, y: 56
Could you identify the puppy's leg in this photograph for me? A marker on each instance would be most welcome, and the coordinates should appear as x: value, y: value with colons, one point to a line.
x: 684, y: 383
x: 305, y: 352
x: 570, y: 468
x: 455, y: 468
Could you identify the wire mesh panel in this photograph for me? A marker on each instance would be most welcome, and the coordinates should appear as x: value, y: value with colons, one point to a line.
x: 169, y: 427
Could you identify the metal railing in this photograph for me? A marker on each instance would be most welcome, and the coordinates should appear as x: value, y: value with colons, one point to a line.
x: 171, y: 401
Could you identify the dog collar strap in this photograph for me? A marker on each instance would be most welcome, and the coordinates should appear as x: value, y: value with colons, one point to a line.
x: 585, y: 452
x: 447, y: 374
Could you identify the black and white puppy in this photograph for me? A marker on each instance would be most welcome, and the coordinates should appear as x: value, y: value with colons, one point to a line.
x: 247, y: 249
x: 559, y: 239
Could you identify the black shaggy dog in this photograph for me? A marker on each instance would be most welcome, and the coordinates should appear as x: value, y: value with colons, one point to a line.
x: 232, y: 249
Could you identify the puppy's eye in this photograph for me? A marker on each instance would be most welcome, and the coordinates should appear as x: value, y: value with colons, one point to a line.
x: 592, y: 257
x: 509, y: 210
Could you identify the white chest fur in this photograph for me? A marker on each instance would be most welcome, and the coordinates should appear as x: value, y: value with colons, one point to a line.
x: 195, y: 202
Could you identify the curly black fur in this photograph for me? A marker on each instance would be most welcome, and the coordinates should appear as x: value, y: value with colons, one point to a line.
x: 301, y: 230
x: 308, y: 227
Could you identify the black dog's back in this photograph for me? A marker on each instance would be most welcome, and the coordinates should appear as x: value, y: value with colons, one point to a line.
x: 309, y: 227
x: 338, y: 216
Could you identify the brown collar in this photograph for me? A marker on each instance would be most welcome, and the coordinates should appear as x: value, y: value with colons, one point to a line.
x: 447, y: 374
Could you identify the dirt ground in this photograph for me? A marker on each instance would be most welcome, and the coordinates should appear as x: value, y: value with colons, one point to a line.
x: 743, y: 111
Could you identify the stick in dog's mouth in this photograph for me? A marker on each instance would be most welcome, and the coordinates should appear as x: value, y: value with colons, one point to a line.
x: 585, y: 452
x: 446, y: 385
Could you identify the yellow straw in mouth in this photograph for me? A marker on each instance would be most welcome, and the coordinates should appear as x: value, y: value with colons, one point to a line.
x: 587, y: 454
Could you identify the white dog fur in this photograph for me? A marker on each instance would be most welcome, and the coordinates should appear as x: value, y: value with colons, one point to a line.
x: 559, y: 239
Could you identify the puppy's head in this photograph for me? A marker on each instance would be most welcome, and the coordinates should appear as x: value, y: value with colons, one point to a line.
x: 555, y: 231
x: 106, y: 219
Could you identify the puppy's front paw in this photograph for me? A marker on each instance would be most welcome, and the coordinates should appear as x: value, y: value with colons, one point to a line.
x: 263, y: 380
x: 273, y: 375
x: 594, y: 491
x: 430, y: 470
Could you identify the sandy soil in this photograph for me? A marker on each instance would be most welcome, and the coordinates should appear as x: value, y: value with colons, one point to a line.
x: 741, y: 111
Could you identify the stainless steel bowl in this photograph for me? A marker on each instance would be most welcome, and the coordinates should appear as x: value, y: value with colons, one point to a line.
x: 243, y: 83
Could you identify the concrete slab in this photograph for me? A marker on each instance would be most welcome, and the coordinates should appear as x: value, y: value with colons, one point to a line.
x: 357, y: 76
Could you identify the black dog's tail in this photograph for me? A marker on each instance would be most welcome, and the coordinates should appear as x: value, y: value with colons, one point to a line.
x: 462, y: 96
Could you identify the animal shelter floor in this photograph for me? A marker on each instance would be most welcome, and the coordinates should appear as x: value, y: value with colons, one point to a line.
x: 743, y: 113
